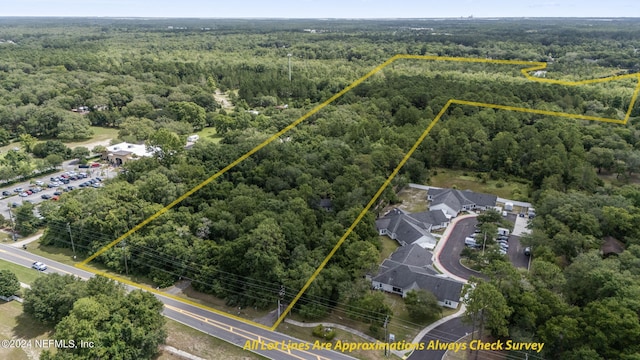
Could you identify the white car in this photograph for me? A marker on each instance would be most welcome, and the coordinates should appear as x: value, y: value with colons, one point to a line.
x: 39, y: 266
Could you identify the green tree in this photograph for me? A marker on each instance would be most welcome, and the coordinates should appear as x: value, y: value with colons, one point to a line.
x: 422, y: 305
x: 486, y: 307
x: 54, y: 160
x: 9, y: 283
x: 80, y: 152
x: 26, y: 222
x: 5, y: 137
x: 189, y: 112
x: 51, y: 297
x: 27, y: 141
x: 602, y: 158
x: 165, y: 145
x: 49, y: 147
x: 74, y: 127
x: 370, y: 307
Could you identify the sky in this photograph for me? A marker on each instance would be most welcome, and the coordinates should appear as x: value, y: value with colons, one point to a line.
x: 322, y: 8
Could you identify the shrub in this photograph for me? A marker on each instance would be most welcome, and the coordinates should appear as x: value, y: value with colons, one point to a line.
x: 324, y: 333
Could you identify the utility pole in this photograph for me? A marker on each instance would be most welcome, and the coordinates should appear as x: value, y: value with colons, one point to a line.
x: 73, y: 247
x: 124, y: 254
x: 386, y: 337
x: 13, y: 224
x: 289, y: 56
x: 484, y: 242
x: 280, y: 296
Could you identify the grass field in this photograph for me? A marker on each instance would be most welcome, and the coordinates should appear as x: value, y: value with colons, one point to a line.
x: 14, y: 324
x: 99, y: 134
x: 24, y: 274
x: 388, y: 247
x: 413, y: 200
x: 197, y: 343
x: 210, y: 134
x: 447, y: 178
x: 62, y: 255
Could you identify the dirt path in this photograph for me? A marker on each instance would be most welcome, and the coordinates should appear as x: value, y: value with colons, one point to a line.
x: 223, y: 99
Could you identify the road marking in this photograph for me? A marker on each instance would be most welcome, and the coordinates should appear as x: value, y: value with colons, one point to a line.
x: 240, y: 332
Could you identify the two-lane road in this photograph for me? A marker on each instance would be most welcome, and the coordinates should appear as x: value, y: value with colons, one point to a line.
x: 229, y: 329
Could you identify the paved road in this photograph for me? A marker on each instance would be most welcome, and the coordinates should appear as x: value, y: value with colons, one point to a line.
x: 448, y: 332
x: 450, y: 255
x: 214, y: 324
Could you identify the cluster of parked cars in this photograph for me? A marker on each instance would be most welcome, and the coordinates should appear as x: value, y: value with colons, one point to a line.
x: 475, y: 241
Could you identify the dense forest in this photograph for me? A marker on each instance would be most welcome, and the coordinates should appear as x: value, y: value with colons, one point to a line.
x: 261, y: 225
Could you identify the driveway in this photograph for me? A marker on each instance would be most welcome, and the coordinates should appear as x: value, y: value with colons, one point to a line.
x: 448, y: 332
x: 449, y: 257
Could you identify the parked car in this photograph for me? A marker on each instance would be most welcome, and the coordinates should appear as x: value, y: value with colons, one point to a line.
x: 18, y: 190
x: 6, y: 193
x: 84, y: 166
x: 46, y: 196
x: 39, y: 183
x: 23, y: 194
x: 57, y: 193
x: 39, y: 266
x: 95, y: 165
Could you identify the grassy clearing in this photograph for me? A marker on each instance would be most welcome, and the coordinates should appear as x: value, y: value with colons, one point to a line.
x: 24, y: 274
x: 99, y: 134
x: 220, y: 304
x: 447, y: 178
x: 210, y: 134
x: 413, y: 200
x: 388, y: 247
x: 14, y: 324
x: 200, y: 344
x: 305, y: 334
x: 62, y: 255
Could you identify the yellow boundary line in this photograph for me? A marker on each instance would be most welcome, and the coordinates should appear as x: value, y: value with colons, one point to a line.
x: 531, y: 66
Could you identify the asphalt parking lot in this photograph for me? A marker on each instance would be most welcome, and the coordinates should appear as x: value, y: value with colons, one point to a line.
x: 104, y: 172
x: 450, y: 257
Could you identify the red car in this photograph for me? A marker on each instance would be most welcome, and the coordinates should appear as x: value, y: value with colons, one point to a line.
x: 95, y: 165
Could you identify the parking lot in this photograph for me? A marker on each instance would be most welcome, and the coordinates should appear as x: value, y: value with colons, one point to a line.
x: 47, y: 188
x: 514, y: 249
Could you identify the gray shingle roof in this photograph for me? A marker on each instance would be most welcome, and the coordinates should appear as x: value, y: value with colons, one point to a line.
x: 410, y: 227
x: 456, y: 199
x: 405, y: 276
x: 414, y: 255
